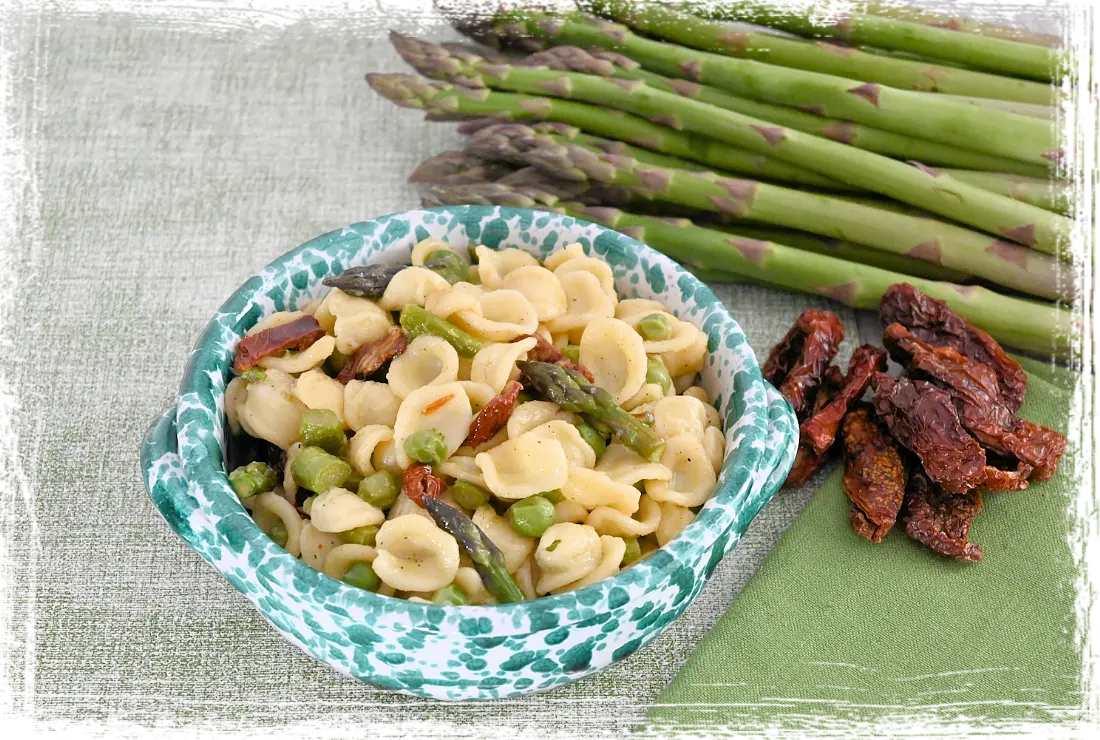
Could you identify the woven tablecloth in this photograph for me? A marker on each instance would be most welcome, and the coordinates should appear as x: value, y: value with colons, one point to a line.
x: 168, y: 162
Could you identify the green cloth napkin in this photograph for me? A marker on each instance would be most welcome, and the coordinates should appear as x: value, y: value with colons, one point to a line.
x: 833, y: 629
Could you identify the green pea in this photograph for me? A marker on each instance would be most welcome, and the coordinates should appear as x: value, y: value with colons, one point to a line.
x: 451, y: 595
x: 278, y: 534
x: 572, y: 351
x: 380, y: 489
x: 531, y: 516
x: 307, y: 505
x: 353, y: 481
x: 593, y: 438
x: 362, y: 575
x: 633, y: 551
x: 254, y: 375
x: 426, y: 446
x: 656, y: 372
x: 360, y: 535
x: 468, y: 495
x: 655, y: 328
x: 553, y: 496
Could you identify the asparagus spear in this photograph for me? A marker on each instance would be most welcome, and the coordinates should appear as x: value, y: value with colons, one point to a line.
x: 1042, y: 112
x: 572, y: 392
x: 918, y: 186
x: 487, y: 559
x: 898, y: 146
x: 1040, y: 192
x: 956, y: 23
x: 418, y: 321
x: 457, y: 167
x: 994, y: 54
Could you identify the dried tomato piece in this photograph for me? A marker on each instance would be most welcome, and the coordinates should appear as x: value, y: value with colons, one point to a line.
x: 807, y: 461
x: 820, y: 430
x: 494, y: 415
x: 546, y: 352
x: 420, y: 482
x: 975, y: 390
x: 940, y: 520
x: 934, y: 322
x: 796, y: 364
x: 298, y: 334
x: 923, y: 418
x: 874, y: 476
x: 369, y: 357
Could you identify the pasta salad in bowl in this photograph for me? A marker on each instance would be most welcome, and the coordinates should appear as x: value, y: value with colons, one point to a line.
x: 470, y: 452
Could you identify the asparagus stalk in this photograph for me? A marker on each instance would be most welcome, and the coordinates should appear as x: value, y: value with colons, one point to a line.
x: 486, y: 557
x: 457, y: 167
x: 888, y: 143
x: 1040, y: 192
x: 572, y: 392
x: 981, y: 52
x: 1042, y: 112
x: 959, y: 24
x: 919, y: 186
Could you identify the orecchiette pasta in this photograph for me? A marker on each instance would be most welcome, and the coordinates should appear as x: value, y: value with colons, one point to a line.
x: 688, y: 360
x: 342, y: 557
x: 566, y: 553
x: 673, y: 520
x: 236, y: 391
x: 632, y: 310
x: 540, y: 287
x: 270, y: 507
x: 415, y: 555
x: 677, y: 415
x: 367, y: 402
x: 514, y: 546
x: 495, y: 364
x: 714, y: 442
x: 624, y: 465
x: 614, y: 354
x: 364, y: 445
x: 315, y: 390
x: 571, y: 511
x: 279, y: 318
x: 411, y: 286
x: 269, y: 411
x: 524, y: 466
x: 503, y: 316
x: 693, y: 475
x: 591, y: 488
x: 290, y: 486
x: 462, y: 468
x: 469, y: 581
x: 444, y: 408
x: 316, y: 545
x: 425, y: 247
x: 585, y: 302
x: 607, y: 520
x: 612, y: 550
x: 646, y: 396
x: 527, y: 416
x: 555, y: 260
x: 338, y: 510
x: 578, y: 453
x: 298, y: 362
x: 427, y: 361
x: 495, y: 264
x: 601, y: 270
x: 448, y: 301
x: 525, y: 579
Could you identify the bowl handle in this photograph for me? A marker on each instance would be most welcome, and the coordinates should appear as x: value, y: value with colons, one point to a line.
x: 162, y: 471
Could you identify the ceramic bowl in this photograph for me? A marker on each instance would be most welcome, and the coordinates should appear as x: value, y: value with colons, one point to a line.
x: 482, y: 652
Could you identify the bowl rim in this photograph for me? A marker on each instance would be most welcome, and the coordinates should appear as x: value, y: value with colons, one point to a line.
x: 203, y: 465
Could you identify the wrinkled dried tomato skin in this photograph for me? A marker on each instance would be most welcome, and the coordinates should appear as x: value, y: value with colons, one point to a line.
x: 934, y: 322
x: 923, y: 419
x: 874, y: 476
x: 546, y: 352
x: 807, y: 461
x: 420, y: 482
x: 795, y: 365
x: 976, y: 393
x: 369, y: 357
x: 820, y: 430
x: 494, y: 415
x: 298, y: 334
x: 941, y: 520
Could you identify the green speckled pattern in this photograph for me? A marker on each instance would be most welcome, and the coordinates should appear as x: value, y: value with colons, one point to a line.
x: 470, y: 652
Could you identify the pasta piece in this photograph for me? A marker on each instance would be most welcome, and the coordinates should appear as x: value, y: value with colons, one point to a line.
x: 385, y: 458
x: 540, y: 287
x: 648, y: 394
x: 714, y: 442
x: 524, y: 466
x: 318, y: 391
x: 526, y: 416
x: 514, y: 546
x: 591, y: 488
x: 444, y: 408
x: 270, y: 508
x: 338, y: 303
x: 598, y: 268
x: 312, y: 306
x: 606, y: 520
x: 570, y: 511
x: 342, y: 557
x: 367, y: 323
x: 424, y: 247
x: 405, y: 506
x: 493, y: 265
x: 578, y: 453
x: 446, y: 302
x: 683, y: 334
x: 696, y: 391
x: 585, y: 302
x: 415, y: 555
x: 612, y: 550
x: 494, y: 441
x: 690, y: 360
x: 469, y: 581
x: 714, y: 417
x: 293, y: 362
x: 428, y: 360
x: 677, y: 415
x: 693, y: 477
x: 625, y: 466
x: 367, y: 402
x: 632, y: 310
x: 338, y: 510
x: 566, y: 553
x: 316, y: 545
x: 504, y: 315
x: 364, y: 445
x: 461, y: 468
x: 290, y: 486
x: 412, y: 285
x: 478, y: 393
x: 612, y: 351
x: 555, y: 260
x: 269, y: 412
x: 236, y: 391
x: 279, y: 318
x: 495, y: 364
x: 673, y: 520
x: 525, y: 579
x: 682, y: 383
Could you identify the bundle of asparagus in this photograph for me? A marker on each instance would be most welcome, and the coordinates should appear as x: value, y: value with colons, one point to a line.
x: 927, y: 155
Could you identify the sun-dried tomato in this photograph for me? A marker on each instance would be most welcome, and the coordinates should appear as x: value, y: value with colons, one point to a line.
x: 369, y: 357
x: 820, y: 430
x: 298, y: 334
x: 807, y: 461
x: 494, y: 415
x: 546, y: 352
x: 940, y: 520
x: 796, y: 364
x: 922, y: 417
x: 420, y: 482
x: 933, y: 322
x: 874, y: 476
x: 982, y: 409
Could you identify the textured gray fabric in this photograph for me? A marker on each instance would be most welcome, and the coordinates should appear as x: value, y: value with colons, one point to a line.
x: 171, y: 162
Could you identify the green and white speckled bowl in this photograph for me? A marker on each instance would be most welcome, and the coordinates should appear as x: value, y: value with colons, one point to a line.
x: 464, y: 652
